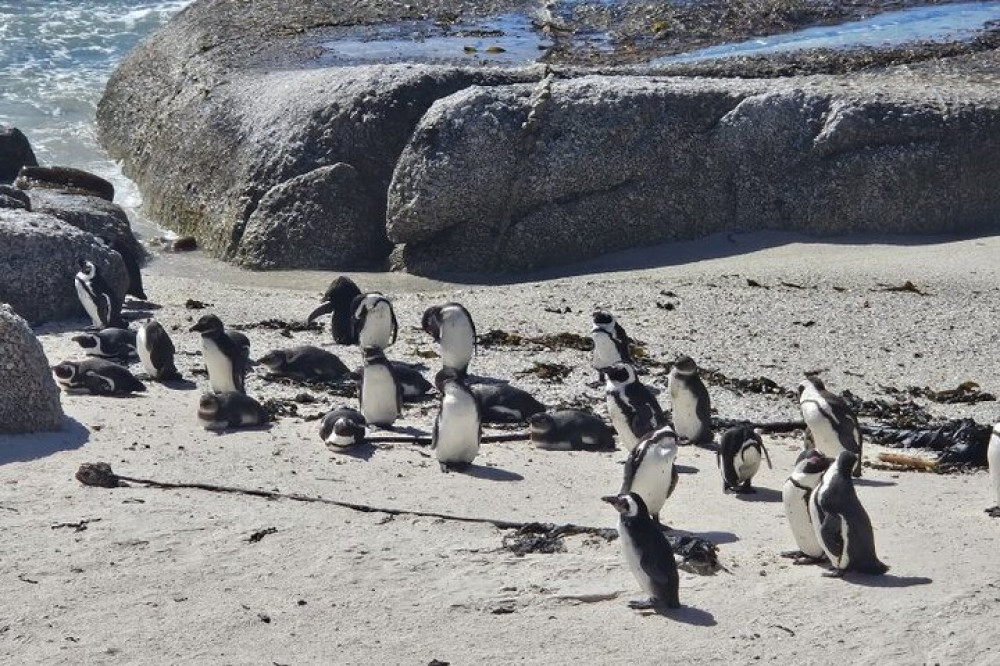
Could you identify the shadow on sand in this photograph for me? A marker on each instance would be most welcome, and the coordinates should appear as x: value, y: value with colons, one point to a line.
x: 492, y: 473
x: 362, y: 451
x: 885, y: 580
x: 874, y: 483
x: 761, y: 495
x: 686, y: 615
x: 24, y: 448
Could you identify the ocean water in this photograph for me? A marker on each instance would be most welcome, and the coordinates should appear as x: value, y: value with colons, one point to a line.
x: 55, y: 58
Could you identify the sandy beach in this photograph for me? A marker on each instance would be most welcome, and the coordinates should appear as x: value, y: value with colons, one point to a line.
x: 150, y: 576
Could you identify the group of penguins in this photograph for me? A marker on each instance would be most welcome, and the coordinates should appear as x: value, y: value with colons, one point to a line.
x: 827, y: 520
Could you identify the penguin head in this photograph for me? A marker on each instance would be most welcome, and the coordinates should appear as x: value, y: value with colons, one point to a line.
x: 846, y: 462
x: 273, y: 359
x: 65, y: 372
x: 629, y: 506
x: 208, y: 324
x: 685, y: 365
x: 620, y: 373
x: 87, y: 269
x: 86, y: 341
x: 374, y: 355
x: 446, y: 376
x: 431, y: 322
x: 341, y: 292
x: 541, y: 423
x: 811, y: 381
x: 347, y: 427
x: 602, y: 318
x: 811, y: 461
x: 209, y: 405
x: 664, y: 437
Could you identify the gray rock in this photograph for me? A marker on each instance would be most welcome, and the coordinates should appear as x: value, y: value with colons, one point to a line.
x: 15, y: 152
x: 38, y: 262
x: 29, y: 397
x: 207, y: 132
x: 100, y: 217
x: 320, y: 220
x: 67, y: 179
x: 519, y: 177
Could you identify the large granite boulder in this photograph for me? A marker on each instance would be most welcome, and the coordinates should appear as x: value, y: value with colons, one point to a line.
x: 15, y: 152
x: 100, y: 217
x: 39, y: 257
x: 29, y: 397
x: 319, y: 220
x: 518, y: 177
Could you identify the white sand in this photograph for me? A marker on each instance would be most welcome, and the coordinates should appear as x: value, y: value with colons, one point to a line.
x: 164, y: 577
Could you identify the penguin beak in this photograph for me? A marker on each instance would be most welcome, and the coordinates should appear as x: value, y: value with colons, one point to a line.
x: 196, y: 328
x: 326, y: 307
x: 616, y: 501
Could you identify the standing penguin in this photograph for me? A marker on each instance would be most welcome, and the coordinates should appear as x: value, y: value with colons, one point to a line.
x: 650, y: 470
x: 611, y: 343
x: 993, y: 458
x: 451, y: 326
x: 156, y: 351
x: 795, y: 495
x: 647, y: 553
x: 458, y: 427
x: 689, y: 402
x: 337, y: 300
x: 633, y: 409
x: 341, y: 428
x: 739, y: 458
x: 842, y: 525
x: 831, y: 421
x: 97, y: 298
x: 225, y: 358
x: 380, y: 393
x: 108, y: 343
x: 373, y: 321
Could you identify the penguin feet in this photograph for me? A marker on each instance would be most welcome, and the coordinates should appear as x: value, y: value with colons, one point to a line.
x: 834, y: 573
x: 792, y: 554
x: 644, y: 604
x: 807, y: 559
x: 993, y: 512
x: 745, y: 489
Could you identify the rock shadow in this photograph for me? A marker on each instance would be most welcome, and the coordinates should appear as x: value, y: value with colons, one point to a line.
x: 32, y: 446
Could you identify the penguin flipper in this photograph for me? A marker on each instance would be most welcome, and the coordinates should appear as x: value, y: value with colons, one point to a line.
x: 830, y: 535
x: 434, y: 432
x: 674, y: 476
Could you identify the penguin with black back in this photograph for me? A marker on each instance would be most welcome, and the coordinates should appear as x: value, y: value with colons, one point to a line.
x: 337, y: 303
x: 156, y: 351
x: 226, y: 357
x: 230, y: 409
x: 451, y: 326
x: 503, y: 403
x: 98, y: 299
x: 647, y: 553
x: 373, y: 321
x: 570, y: 430
x: 380, y: 393
x: 108, y: 343
x: 690, y: 404
x: 740, y: 452
x: 632, y: 407
x: 458, y: 426
x: 611, y: 343
x: 342, y: 428
x: 809, y: 470
x: 841, y: 523
x: 97, y: 376
x: 305, y: 363
x: 833, y: 425
x: 650, y: 471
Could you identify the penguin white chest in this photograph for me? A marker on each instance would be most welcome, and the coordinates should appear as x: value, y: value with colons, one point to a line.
x: 88, y: 302
x: 823, y: 433
x: 458, y: 342
x: 378, y: 396
x: 622, y: 424
x: 747, y: 462
x: 221, y: 374
x: 633, y: 558
x: 652, y: 480
x: 684, y: 405
x: 377, y: 331
x: 605, y: 351
x: 142, y: 350
x: 797, y: 512
x: 457, y: 429
x: 993, y: 459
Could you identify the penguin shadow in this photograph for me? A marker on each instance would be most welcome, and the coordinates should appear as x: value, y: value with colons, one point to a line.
x: 716, y: 538
x: 177, y: 384
x: 874, y: 483
x: 760, y: 495
x: 492, y: 473
x: 263, y: 427
x: 686, y: 615
x: 686, y: 469
x: 885, y: 580
x: 139, y: 304
x: 479, y: 379
x: 363, y: 451
x: 412, y: 431
x: 24, y: 448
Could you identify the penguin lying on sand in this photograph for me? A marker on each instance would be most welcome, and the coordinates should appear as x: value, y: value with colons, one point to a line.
x: 342, y: 427
x: 305, y: 363
x: 97, y: 376
x: 108, y: 343
x: 570, y: 430
x: 232, y: 409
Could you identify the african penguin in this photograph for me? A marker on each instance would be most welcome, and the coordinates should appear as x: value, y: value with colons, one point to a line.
x: 156, y: 351
x: 795, y: 494
x: 650, y: 470
x: 132, y: 261
x: 739, y: 457
x: 633, y: 409
x: 341, y: 428
x: 611, y: 343
x: 97, y: 298
x: 993, y: 459
x: 570, y: 429
x: 451, y: 327
x: 380, y: 392
x: 337, y: 302
x: 831, y: 422
x: 108, y: 343
x: 689, y: 402
x: 230, y: 409
x: 647, y: 552
x: 305, y: 364
x: 411, y: 381
x: 373, y: 321
x: 457, y: 428
x: 96, y: 376
x: 503, y: 403
x: 225, y: 358
x: 841, y: 524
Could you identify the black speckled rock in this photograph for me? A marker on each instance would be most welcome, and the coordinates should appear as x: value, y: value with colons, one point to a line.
x: 29, y: 397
